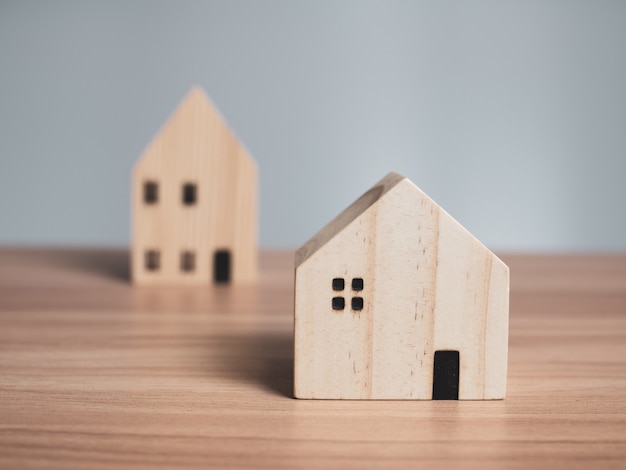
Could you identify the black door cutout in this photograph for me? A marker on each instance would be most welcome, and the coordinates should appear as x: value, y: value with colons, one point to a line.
x: 221, y: 266
x: 446, y: 375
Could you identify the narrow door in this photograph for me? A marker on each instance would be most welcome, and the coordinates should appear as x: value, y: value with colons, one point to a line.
x: 221, y: 266
x: 446, y: 375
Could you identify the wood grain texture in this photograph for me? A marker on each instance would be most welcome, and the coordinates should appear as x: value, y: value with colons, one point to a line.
x: 196, y: 147
x: 96, y: 374
x: 429, y: 286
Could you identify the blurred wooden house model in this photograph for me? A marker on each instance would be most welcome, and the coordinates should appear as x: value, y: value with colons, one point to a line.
x: 194, y: 202
x: 394, y: 299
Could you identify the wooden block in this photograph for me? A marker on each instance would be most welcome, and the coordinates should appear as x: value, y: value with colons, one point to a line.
x: 194, y: 201
x: 394, y: 299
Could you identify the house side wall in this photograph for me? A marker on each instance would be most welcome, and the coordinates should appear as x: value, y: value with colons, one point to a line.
x: 196, y: 147
x: 245, y: 261
x: 497, y: 332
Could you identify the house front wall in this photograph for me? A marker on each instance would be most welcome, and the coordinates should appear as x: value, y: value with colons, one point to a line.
x: 427, y: 286
x: 195, y: 148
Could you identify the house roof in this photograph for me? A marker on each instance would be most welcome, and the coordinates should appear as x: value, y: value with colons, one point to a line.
x: 195, y: 116
x: 347, y: 216
x: 358, y: 207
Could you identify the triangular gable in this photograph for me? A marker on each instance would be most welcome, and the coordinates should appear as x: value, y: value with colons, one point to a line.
x: 358, y: 207
x: 196, y: 116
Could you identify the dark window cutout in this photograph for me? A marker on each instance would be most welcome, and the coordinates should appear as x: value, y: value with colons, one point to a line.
x: 338, y: 284
x: 188, y: 261
x: 339, y: 303
x: 150, y: 192
x: 190, y: 194
x: 357, y: 283
x: 357, y: 303
x: 152, y: 260
x: 446, y: 375
x: 221, y: 266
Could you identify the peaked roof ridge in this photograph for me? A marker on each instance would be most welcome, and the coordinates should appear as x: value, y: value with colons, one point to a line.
x: 196, y: 92
x: 347, y: 216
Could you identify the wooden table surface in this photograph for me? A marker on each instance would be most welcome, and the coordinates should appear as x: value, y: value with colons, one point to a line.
x: 96, y: 374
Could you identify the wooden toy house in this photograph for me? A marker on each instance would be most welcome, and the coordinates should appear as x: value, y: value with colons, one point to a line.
x: 394, y: 299
x: 194, y: 202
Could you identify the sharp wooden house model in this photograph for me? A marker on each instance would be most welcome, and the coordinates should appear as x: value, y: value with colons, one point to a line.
x: 194, y: 201
x: 394, y: 299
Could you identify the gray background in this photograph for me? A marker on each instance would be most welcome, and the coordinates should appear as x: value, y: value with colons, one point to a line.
x: 511, y: 115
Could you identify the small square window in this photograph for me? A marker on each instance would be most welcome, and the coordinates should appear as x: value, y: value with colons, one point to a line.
x: 188, y: 261
x: 339, y: 303
x: 339, y: 284
x: 152, y: 260
x: 357, y: 303
x: 190, y: 194
x: 150, y: 192
x: 357, y: 283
